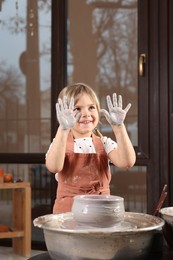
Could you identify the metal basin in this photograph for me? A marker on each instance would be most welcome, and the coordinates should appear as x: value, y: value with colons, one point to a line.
x: 167, y: 215
x: 65, y: 239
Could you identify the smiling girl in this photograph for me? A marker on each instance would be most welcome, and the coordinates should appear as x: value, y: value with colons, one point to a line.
x: 80, y: 157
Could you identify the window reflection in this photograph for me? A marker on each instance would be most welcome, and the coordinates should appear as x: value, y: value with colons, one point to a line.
x: 131, y: 185
x: 25, y: 75
x: 102, y: 52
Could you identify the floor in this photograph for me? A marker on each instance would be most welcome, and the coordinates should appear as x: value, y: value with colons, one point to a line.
x: 6, y: 253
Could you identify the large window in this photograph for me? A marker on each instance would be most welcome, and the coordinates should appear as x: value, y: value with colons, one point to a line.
x: 25, y: 87
x: 25, y: 65
x: 103, y: 52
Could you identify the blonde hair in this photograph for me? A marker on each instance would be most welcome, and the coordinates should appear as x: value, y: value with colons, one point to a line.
x: 77, y: 89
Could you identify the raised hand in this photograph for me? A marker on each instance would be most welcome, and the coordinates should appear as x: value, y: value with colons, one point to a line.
x: 65, y: 115
x: 116, y: 114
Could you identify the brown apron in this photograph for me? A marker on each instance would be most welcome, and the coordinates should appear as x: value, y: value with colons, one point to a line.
x: 82, y: 174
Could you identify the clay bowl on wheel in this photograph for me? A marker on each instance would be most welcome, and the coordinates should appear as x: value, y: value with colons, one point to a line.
x: 98, y: 210
x: 167, y: 216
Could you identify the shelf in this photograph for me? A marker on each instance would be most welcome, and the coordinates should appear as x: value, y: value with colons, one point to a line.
x: 12, y: 234
x: 21, y: 217
x: 14, y: 185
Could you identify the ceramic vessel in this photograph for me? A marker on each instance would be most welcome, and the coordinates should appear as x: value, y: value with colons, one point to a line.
x: 167, y: 215
x: 98, y: 210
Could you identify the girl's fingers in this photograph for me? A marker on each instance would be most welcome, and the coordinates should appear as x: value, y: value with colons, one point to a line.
x: 71, y: 105
x: 65, y: 102
x: 61, y: 107
x: 114, y: 99
x: 127, y: 107
x: 120, y: 102
x: 109, y: 103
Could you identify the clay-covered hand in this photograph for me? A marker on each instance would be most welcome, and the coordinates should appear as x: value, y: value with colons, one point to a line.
x: 65, y: 114
x: 116, y: 114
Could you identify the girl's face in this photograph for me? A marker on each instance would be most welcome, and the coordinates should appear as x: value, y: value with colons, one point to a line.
x: 89, y: 117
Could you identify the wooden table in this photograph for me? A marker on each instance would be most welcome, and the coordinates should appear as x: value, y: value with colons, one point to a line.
x: 21, y: 217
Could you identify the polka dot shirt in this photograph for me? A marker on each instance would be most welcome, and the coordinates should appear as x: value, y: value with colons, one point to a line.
x: 85, y: 145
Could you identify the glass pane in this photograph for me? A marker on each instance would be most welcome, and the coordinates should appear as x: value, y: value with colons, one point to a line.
x: 40, y: 180
x: 102, y: 52
x: 25, y: 65
x: 131, y: 185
